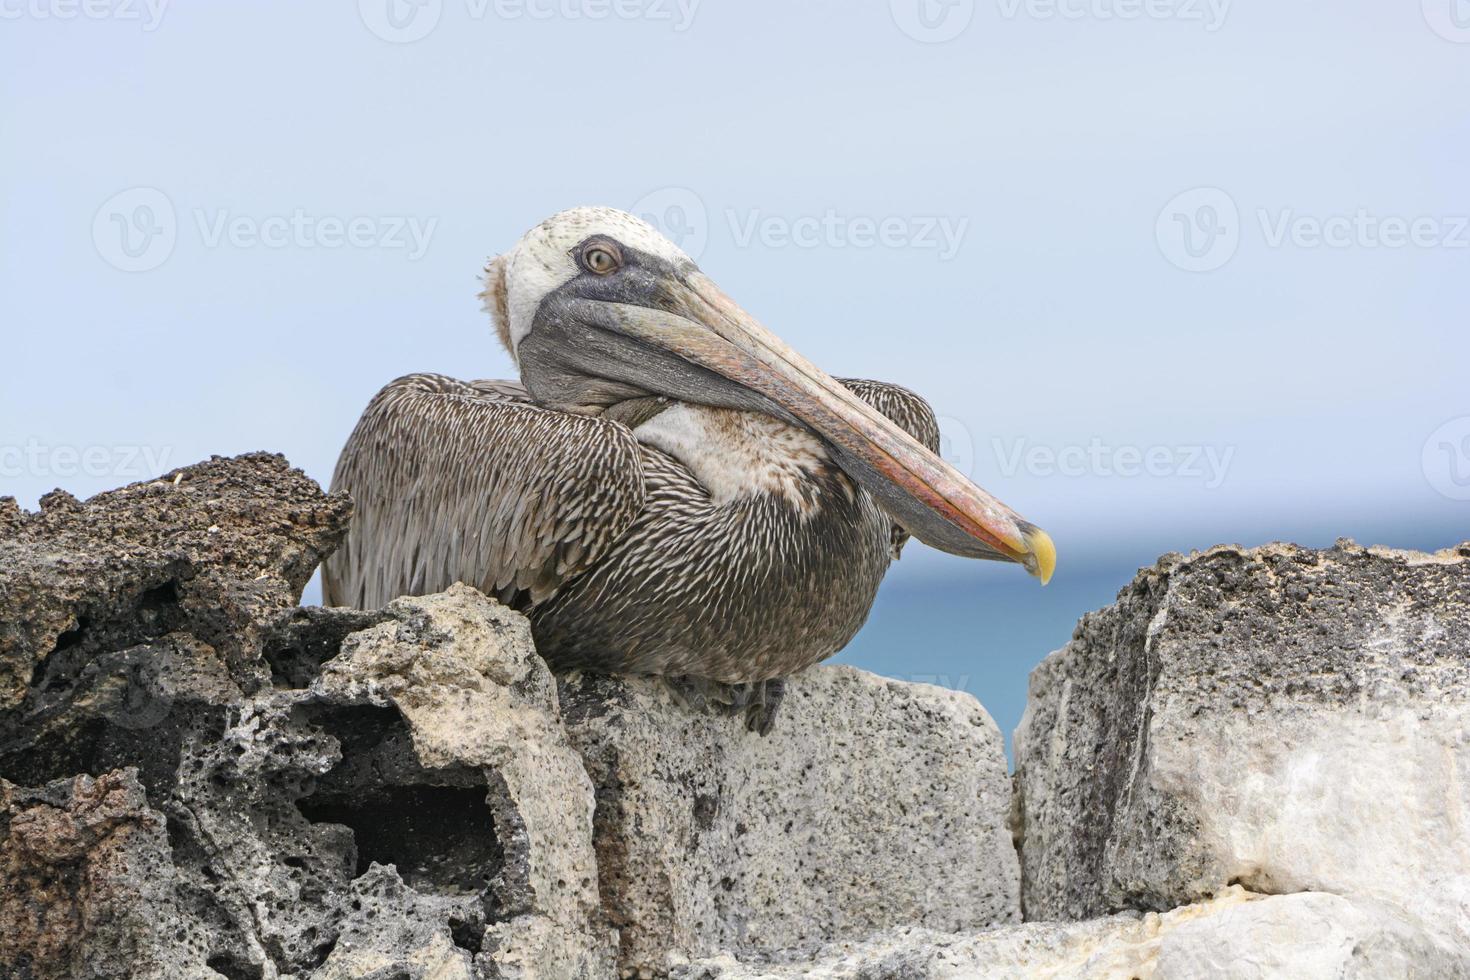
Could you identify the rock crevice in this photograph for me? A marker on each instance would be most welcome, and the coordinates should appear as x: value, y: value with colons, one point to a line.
x: 406, y: 792
x: 1255, y: 757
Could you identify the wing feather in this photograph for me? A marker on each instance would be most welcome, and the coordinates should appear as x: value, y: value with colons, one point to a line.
x: 911, y: 412
x: 907, y: 409
x: 473, y: 482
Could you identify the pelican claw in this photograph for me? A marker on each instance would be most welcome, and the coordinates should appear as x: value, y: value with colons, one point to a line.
x: 757, y: 701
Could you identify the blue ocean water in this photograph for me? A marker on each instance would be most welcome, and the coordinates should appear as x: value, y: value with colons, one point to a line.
x: 981, y: 628
x: 977, y: 630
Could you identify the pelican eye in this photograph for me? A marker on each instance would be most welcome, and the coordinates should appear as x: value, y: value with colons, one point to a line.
x: 601, y: 258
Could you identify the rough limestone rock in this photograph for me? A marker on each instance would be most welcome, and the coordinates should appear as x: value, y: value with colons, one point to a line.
x: 200, y: 780
x: 1236, y: 936
x: 206, y: 801
x: 1287, y: 719
x: 1256, y: 765
x: 873, y: 803
x: 463, y: 673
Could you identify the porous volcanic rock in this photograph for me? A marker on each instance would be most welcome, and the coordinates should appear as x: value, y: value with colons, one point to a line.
x: 461, y: 671
x: 84, y: 857
x: 873, y: 803
x: 1237, y: 935
x: 199, y: 779
x: 186, y: 793
x: 1255, y: 764
x: 212, y: 550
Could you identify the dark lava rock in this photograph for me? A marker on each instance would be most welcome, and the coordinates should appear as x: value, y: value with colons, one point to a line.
x: 174, y: 800
x: 211, y: 551
x: 199, y: 779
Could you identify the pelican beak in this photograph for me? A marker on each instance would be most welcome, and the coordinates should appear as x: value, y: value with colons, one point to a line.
x: 700, y: 325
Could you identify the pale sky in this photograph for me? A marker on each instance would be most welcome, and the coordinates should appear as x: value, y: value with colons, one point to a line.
x: 1172, y: 272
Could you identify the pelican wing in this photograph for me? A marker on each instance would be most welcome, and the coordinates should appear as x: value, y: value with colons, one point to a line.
x: 472, y: 482
x: 912, y: 413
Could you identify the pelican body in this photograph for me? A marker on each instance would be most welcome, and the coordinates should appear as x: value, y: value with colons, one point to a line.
x: 669, y: 490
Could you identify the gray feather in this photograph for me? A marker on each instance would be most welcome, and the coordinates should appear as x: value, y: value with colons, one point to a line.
x: 618, y: 554
x: 456, y: 482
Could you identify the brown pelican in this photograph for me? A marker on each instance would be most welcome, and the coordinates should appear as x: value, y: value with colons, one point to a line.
x: 669, y: 490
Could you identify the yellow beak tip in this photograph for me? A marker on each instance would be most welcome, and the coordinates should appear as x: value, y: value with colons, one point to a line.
x: 1042, y: 554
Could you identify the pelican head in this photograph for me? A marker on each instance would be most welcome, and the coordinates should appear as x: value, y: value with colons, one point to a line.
x: 599, y: 309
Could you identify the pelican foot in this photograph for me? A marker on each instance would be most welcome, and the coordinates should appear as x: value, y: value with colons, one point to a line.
x: 691, y: 693
x: 757, y: 701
